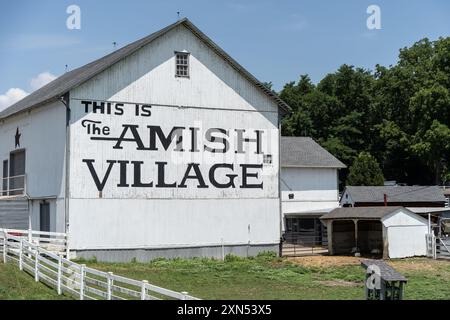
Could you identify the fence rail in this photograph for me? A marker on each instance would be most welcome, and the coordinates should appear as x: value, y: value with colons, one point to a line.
x: 13, y: 186
x: 299, y: 244
x: 77, y: 280
x: 52, y: 241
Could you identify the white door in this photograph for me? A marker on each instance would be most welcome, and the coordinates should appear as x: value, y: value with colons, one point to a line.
x: 407, y: 241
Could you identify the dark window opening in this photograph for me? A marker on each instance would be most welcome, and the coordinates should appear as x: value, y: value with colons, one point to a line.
x: 5, y: 178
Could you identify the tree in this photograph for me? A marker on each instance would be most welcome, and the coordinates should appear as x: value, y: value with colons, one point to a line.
x: 365, y: 171
x: 434, y: 148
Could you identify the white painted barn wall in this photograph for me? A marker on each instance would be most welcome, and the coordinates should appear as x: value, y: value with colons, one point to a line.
x: 172, y: 218
x: 43, y: 138
x: 313, y: 189
x: 406, y: 234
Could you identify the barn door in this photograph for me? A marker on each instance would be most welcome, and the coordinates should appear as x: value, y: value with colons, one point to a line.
x: 44, y: 214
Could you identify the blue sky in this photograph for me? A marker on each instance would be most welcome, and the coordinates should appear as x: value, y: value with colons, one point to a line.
x: 275, y: 40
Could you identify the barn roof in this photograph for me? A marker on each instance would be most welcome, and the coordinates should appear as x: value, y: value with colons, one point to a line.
x: 60, y: 86
x: 395, y: 193
x: 360, y: 213
x: 305, y: 152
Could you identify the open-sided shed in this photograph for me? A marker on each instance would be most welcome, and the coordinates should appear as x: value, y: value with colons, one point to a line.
x: 393, y: 232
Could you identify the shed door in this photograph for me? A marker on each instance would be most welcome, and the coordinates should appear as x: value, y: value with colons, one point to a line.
x: 44, y: 213
x: 407, y: 241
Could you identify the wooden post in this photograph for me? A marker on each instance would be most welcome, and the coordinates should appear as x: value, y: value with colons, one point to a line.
x: 21, y: 255
x: 5, y: 248
x: 67, y: 247
x: 36, y: 265
x: 109, y: 286
x: 82, y: 267
x: 330, y: 237
x: 144, y: 290
x: 356, y: 235
x: 59, y: 275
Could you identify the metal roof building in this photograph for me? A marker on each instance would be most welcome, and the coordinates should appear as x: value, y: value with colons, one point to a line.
x: 407, y: 196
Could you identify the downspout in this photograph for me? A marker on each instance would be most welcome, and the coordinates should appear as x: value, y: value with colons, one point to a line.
x: 279, y: 185
x: 65, y: 99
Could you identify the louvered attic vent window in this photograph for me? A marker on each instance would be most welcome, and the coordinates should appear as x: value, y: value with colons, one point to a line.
x: 182, y: 64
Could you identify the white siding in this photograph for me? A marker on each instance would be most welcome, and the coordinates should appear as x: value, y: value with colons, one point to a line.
x: 314, y: 189
x: 406, y: 234
x: 217, y: 96
x: 43, y: 139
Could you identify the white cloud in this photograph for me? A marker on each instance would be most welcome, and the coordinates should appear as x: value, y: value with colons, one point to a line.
x: 15, y: 94
x: 11, y: 96
x: 41, y: 80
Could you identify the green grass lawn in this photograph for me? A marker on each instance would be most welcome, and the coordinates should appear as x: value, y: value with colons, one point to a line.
x: 18, y: 285
x: 269, y: 277
x: 262, y: 277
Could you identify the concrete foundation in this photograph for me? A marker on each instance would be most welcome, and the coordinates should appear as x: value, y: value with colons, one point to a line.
x: 145, y: 255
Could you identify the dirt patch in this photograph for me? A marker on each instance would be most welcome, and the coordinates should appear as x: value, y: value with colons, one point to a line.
x: 325, y: 261
x: 414, y: 265
x: 338, y: 283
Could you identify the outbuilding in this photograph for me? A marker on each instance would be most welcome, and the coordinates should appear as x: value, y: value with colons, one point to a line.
x: 389, y: 232
x: 166, y: 147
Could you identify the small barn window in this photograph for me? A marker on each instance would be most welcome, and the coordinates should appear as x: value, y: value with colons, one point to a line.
x: 182, y: 64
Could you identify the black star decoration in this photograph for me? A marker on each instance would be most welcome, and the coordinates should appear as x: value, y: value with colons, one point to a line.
x: 17, y: 137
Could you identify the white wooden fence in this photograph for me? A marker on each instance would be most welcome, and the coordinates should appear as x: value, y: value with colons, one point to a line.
x: 78, y: 281
x: 51, y: 241
x: 437, y: 248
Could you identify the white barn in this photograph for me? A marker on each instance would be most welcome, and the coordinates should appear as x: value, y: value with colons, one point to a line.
x: 165, y: 147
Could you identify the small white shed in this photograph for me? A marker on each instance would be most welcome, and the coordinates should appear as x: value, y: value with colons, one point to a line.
x: 405, y: 234
x: 393, y: 232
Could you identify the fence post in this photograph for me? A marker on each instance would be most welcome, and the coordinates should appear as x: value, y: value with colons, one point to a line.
x: 59, y: 275
x: 109, y: 286
x: 21, y: 255
x: 434, y: 246
x: 36, y: 265
x: 184, y: 295
x: 5, y: 241
x: 67, y: 246
x: 82, y: 281
x: 144, y: 290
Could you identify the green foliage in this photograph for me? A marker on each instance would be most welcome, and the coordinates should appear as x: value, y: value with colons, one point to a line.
x: 365, y: 171
x: 399, y: 114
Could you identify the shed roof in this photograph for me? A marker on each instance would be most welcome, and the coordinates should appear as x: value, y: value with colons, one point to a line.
x: 372, y: 213
x: 395, y: 193
x: 60, y: 86
x: 305, y: 152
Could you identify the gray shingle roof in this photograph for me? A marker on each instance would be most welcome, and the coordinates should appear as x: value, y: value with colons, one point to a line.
x: 57, y: 88
x: 396, y: 193
x: 360, y: 212
x: 305, y: 152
